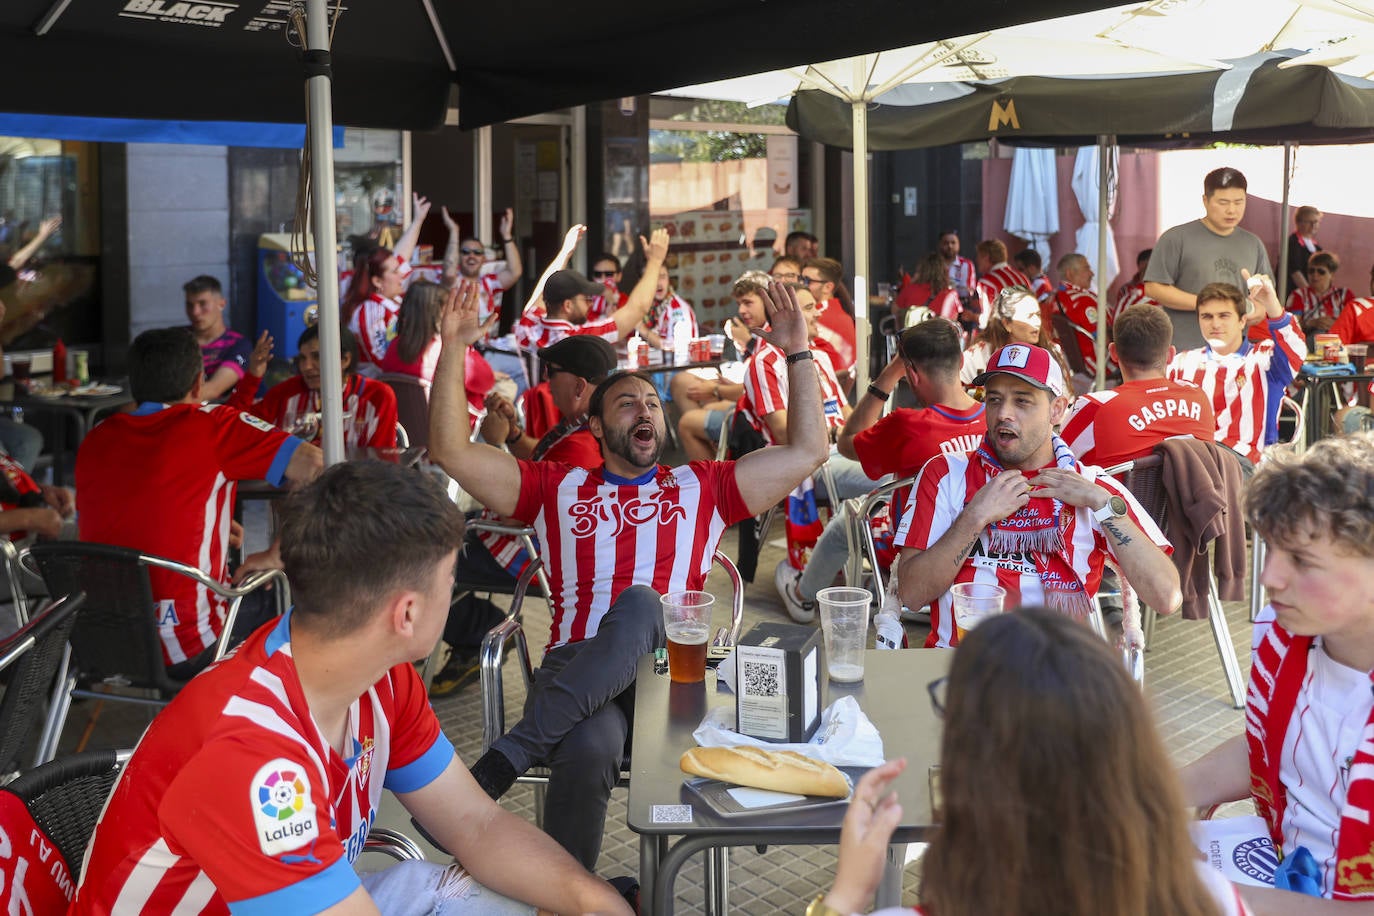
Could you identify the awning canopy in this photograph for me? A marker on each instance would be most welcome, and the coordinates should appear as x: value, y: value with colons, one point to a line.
x: 396, y: 61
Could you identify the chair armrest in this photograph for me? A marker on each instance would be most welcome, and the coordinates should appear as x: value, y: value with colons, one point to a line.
x: 34, y: 631
x: 493, y: 692
x: 393, y: 843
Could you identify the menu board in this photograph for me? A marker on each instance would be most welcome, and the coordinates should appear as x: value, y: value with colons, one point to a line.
x: 711, y: 248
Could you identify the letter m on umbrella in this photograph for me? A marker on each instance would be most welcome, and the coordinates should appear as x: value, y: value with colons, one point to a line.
x: 1003, y: 114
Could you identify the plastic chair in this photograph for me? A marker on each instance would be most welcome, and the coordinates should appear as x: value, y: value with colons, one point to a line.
x: 114, y: 645
x: 412, y: 406
x: 32, y: 656
x: 1144, y: 478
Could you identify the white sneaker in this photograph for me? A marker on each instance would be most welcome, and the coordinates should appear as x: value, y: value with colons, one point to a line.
x: 786, y: 577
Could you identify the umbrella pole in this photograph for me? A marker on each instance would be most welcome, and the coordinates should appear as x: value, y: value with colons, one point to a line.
x: 863, y: 345
x: 326, y: 256
x: 1282, y: 281
x: 1104, y: 144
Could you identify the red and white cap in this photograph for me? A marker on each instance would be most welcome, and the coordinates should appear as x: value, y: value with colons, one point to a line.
x: 1028, y: 363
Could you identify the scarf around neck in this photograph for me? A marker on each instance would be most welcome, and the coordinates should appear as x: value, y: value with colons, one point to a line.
x: 1037, y: 530
x: 1280, y: 668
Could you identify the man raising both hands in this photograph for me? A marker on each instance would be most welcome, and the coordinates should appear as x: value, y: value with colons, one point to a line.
x: 614, y: 537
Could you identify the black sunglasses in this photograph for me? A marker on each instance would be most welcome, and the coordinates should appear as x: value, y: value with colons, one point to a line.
x: 604, y: 273
x: 809, y: 280
x: 471, y: 251
x: 936, y: 689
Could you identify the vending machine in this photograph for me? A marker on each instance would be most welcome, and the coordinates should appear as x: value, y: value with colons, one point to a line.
x: 286, y: 304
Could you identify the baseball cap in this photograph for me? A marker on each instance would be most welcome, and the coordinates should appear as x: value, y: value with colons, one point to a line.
x: 565, y: 284
x: 1028, y: 363
x: 584, y: 355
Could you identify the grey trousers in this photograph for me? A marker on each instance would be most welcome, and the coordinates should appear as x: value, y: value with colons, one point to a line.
x: 577, y: 720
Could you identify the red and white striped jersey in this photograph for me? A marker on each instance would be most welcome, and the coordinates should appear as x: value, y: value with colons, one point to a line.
x: 535, y: 329
x: 765, y: 388
x: 962, y: 274
x: 836, y: 335
x: 373, y: 322
x: 946, y: 485
x: 233, y: 795
x: 1356, y: 323
x: 601, y: 307
x: 162, y: 480
x: 1131, y: 294
x: 22, y: 492
x: 1080, y: 307
x: 369, y: 405
x: 600, y: 533
x: 1043, y: 289
x: 1123, y: 423
x: 996, y: 280
x: 1305, y: 304
x: 1246, y: 386
x: 663, y: 315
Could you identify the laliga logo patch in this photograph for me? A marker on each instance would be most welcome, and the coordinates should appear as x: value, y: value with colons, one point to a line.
x: 1015, y: 355
x: 1256, y: 858
x: 256, y: 422
x: 282, y: 809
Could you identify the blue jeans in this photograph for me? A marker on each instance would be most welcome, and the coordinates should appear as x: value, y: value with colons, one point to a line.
x: 510, y: 363
x: 21, y: 442
x: 832, y: 547
x: 577, y: 719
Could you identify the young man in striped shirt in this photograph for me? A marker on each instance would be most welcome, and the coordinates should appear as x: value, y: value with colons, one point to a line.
x: 614, y: 537
x: 1244, y: 379
x: 1022, y: 513
x: 1306, y: 757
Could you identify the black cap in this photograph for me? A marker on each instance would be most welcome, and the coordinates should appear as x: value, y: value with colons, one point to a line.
x: 565, y: 284
x: 584, y: 355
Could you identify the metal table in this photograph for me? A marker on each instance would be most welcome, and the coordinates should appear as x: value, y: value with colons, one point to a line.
x: 1324, y: 396
x: 892, y: 694
x: 81, y: 410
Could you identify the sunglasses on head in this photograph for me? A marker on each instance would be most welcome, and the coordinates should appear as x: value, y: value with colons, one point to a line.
x: 471, y: 251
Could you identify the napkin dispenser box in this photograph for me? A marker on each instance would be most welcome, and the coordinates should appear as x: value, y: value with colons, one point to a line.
x: 777, y: 669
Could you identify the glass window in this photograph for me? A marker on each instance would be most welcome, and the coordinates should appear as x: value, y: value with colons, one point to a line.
x: 56, y: 290
x: 369, y: 195
x: 728, y: 182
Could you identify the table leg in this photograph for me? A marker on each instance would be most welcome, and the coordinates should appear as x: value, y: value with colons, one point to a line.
x: 651, y: 849
x: 890, y: 887
x: 720, y: 859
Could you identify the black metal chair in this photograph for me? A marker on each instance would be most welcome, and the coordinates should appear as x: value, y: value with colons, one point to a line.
x: 31, y: 658
x: 114, y: 645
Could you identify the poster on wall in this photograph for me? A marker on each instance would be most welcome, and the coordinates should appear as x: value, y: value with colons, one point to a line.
x: 782, y: 171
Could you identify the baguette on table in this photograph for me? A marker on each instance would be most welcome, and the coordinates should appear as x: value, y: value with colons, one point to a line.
x: 781, y: 771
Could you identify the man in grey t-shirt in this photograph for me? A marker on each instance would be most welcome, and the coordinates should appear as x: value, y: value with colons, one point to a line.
x: 1213, y: 249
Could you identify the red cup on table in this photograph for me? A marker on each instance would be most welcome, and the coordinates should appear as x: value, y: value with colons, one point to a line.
x: 699, y: 349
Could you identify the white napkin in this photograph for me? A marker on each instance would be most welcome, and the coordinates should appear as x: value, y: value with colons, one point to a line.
x: 845, y: 737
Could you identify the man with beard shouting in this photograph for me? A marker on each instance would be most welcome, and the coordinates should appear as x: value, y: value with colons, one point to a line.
x: 1022, y: 513
x: 614, y: 538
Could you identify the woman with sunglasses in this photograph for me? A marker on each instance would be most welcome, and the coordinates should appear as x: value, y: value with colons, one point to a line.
x: 1057, y: 795
x: 1317, y: 306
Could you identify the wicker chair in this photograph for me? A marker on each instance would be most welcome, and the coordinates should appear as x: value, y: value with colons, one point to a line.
x: 65, y: 797
x: 31, y: 658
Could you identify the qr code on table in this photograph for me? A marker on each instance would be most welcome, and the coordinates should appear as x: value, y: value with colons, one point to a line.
x: 671, y: 814
x: 760, y: 679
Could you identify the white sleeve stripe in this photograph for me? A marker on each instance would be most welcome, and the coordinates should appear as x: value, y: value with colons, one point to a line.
x: 147, y: 873
x: 270, y: 720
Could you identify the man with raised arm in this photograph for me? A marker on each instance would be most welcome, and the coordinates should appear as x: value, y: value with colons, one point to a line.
x: 614, y: 537
x: 1020, y: 512
x: 255, y: 790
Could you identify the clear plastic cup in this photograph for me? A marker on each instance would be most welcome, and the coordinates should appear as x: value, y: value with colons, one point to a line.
x: 974, y: 602
x: 687, y: 622
x: 844, y: 625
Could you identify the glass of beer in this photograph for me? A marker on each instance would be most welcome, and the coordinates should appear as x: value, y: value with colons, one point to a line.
x: 687, y: 622
x: 844, y: 627
x: 973, y: 603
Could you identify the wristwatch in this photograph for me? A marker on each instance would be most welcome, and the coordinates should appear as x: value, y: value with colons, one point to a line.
x: 819, y: 907
x: 1115, y: 508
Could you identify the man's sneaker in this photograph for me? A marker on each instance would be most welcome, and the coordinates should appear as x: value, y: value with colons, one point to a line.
x: 787, y: 578
x: 460, y: 670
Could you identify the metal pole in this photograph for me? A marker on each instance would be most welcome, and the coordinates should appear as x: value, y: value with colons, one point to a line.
x: 862, y: 343
x: 326, y: 256
x: 481, y: 221
x: 1100, y: 338
x: 1282, y: 281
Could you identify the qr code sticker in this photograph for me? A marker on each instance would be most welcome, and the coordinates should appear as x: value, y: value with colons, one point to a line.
x: 760, y: 679
x: 671, y: 814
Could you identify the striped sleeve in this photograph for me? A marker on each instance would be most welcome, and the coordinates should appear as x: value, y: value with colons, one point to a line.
x: 1079, y: 432
x: 931, y: 512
